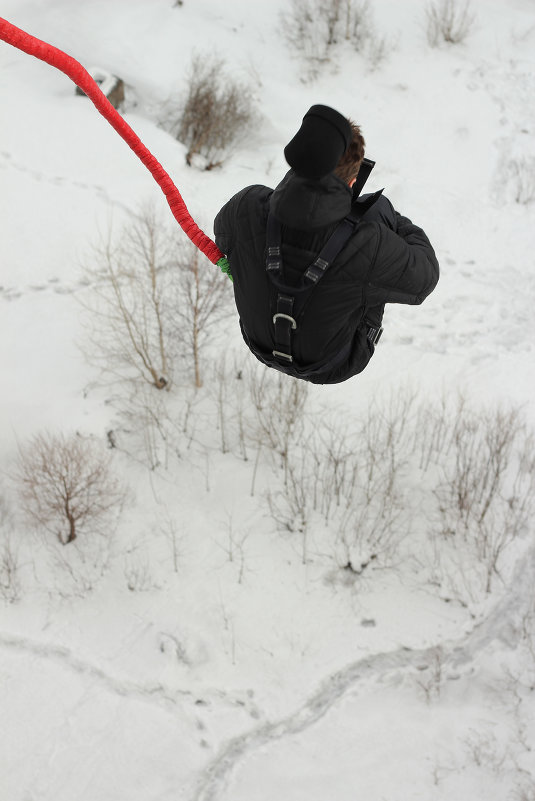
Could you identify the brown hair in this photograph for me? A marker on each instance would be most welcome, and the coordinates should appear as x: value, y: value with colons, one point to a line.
x: 349, y: 165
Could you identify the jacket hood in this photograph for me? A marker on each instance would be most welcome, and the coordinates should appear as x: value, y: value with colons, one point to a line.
x: 306, y: 204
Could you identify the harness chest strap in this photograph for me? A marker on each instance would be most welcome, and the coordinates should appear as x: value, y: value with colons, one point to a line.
x: 284, y: 323
x: 292, y: 300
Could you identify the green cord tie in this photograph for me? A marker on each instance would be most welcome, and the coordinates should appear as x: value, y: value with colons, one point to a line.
x: 224, y: 266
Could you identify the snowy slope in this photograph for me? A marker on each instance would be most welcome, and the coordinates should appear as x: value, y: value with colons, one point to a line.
x: 256, y: 670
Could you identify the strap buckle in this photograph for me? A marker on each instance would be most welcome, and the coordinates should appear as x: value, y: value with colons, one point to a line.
x: 373, y: 334
x: 316, y: 270
x: 286, y: 356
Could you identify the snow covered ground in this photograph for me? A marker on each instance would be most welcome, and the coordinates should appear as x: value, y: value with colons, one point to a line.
x: 221, y: 655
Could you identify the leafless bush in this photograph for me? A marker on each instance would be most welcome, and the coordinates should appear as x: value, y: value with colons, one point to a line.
x: 66, y: 486
x: 524, y: 790
x: 448, y: 21
x: 278, y: 402
x: 292, y: 509
x: 10, y: 561
x: 149, y: 426
x: 521, y: 178
x: 74, y: 571
x: 10, y: 573
x: 484, y: 467
x: 349, y: 481
x: 234, y: 546
x: 176, y: 540
x: 201, y: 302
x: 129, y: 304
x: 153, y: 304
x: 217, y: 113
x: 229, y: 388
x: 316, y: 29
x: 432, y: 674
x: 138, y: 573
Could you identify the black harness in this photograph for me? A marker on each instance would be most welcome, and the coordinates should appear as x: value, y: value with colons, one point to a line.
x: 291, y: 301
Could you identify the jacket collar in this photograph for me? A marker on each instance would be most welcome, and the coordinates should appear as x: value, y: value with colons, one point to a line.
x: 308, y: 204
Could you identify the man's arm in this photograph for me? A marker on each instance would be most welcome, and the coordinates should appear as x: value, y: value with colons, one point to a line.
x: 225, y: 222
x: 405, y: 269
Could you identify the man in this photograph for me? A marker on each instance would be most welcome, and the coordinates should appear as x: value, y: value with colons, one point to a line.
x: 313, y: 263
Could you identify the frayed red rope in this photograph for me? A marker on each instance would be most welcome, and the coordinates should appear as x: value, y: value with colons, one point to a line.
x: 74, y: 70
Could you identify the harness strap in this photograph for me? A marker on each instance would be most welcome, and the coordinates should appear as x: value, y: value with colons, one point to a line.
x: 292, y: 300
x: 364, y: 173
x: 331, y: 249
x: 273, y: 238
x: 284, y: 323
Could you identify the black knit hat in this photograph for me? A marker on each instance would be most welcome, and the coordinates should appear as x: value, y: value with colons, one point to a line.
x: 320, y: 142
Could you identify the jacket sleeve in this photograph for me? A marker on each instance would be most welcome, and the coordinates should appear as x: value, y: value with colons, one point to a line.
x: 225, y: 222
x: 405, y: 268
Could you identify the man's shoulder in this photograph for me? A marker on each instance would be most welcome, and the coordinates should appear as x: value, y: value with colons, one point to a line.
x: 248, y: 202
x: 251, y: 195
x: 244, y: 211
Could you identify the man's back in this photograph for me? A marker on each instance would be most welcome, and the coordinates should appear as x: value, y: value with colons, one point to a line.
x: 386, y: 259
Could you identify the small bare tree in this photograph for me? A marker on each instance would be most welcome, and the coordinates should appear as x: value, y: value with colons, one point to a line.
x: 66, y: 485
x: 448, y: 21
x: 202, y: 301
x: 153, y: 303
x: 217, y: 113
x: 130, y: 305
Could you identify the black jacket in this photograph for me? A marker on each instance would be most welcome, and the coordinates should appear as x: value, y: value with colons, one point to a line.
x: 386, y: 260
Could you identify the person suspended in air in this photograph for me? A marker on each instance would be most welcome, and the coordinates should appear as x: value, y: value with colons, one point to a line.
x: 314, y: 261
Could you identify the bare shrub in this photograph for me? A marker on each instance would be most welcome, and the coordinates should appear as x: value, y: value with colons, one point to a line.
x: 10, y: 572
x: 432, y: 674
x: 217, y: 113
x: 138, y: 573
x: 201, y: 301
x: 66, y: 486
x: 129, y: 304
x: 484, y: 465
x: 349, y: 481
x: 74, y: 571
x: 292, y: 509
x: 229, y: 388
x: 175, y: 538
x: 317, y: 29
x: 149, y: 427
x: 521, y: 178
x: 524, y: 789
x: 448, y: 21
x: 10, y: 562
x: 153, y: 304
x: 234, y: 546
x: 278, y: 403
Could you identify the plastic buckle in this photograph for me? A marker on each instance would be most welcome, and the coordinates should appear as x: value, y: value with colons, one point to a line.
x: 316, y: 270
x: 374, y: 334
x: 273, y: 265
x: 286, y: 356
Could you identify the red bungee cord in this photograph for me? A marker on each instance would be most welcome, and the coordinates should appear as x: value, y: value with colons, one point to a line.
x: 74, y: 70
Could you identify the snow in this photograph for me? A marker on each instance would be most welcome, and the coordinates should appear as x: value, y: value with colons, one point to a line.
x: 250, y: 672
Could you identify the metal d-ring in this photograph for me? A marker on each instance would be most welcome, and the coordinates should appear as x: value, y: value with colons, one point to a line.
x: 285, y: 317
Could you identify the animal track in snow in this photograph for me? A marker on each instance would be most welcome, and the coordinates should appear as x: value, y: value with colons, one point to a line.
x: 6, y: 160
